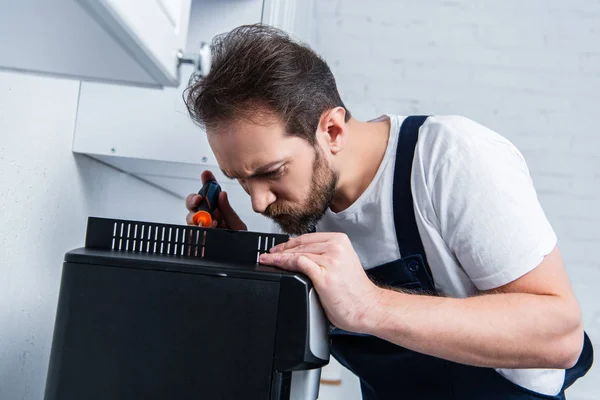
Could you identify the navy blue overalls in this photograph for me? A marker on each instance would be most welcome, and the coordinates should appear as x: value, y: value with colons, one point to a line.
x: 387, y: 371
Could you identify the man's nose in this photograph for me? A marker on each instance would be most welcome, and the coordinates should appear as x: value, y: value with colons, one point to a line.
x: 261, y: 197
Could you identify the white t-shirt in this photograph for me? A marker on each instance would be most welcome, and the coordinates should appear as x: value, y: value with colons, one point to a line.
x: 477, y: 213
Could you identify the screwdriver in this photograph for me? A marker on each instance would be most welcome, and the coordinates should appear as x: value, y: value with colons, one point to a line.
x: 210, y: 200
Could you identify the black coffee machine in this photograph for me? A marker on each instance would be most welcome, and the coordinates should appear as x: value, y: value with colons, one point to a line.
x: 155, y: 311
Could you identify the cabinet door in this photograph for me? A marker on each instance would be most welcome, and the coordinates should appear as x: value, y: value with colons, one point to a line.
x: 127, y: 41
x: 153, y: 32
x: 148, y: 133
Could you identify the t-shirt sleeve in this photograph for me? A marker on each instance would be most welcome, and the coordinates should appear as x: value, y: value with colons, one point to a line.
x: 489, y: 213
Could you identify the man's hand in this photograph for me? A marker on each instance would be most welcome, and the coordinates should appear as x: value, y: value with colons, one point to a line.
x: 328, y: 259
x: 533, y: 322
x: 224, y: 217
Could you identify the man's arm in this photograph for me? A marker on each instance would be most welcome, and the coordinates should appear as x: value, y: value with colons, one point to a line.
x: 532, y: 322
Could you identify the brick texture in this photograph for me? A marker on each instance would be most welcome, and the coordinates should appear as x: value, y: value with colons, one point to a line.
x: 529, y: 70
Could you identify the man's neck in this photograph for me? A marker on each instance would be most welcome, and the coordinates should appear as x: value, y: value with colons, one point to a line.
x: 363, y: 153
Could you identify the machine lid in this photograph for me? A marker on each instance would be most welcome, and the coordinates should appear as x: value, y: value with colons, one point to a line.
x: 151, y: 245
x: 162, y: 262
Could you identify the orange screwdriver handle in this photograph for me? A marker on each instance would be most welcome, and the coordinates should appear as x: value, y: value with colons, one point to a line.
x: 210, y: 200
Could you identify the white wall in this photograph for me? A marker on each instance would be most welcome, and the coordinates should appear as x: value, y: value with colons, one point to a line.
x: 527, y: 69
x: 530, y: 70
x: 46, y: 195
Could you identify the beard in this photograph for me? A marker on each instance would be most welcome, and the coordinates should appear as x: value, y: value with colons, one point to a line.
x: 295, y: 220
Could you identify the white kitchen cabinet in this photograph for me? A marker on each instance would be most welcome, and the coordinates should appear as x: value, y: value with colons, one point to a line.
x: 132, y: 42
x: 148, y: 132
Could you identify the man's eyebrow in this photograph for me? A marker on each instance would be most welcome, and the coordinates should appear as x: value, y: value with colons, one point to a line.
x: 262, y: 170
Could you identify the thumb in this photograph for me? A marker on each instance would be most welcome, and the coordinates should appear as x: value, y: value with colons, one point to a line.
x: 207, y: 176
x: 229, y: 215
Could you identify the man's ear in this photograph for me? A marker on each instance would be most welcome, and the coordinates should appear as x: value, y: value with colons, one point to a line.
x: 332, y: 129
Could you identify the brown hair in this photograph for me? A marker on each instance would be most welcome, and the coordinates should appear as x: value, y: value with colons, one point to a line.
x: 258, y: 68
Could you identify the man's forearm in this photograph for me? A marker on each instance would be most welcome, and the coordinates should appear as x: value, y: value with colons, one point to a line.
x: 507, y: 330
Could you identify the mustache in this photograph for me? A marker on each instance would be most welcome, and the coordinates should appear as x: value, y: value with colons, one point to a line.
x: 274, y: 210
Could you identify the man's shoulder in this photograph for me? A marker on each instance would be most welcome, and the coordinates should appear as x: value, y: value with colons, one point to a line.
x: 443, y: 136
x: 453, y: 149
x: 459, y: 129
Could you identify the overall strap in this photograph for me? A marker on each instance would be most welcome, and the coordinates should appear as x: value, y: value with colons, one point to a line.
x: 407, y: 233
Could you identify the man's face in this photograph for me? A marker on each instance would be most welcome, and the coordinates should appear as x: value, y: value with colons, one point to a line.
x: 287, y: 178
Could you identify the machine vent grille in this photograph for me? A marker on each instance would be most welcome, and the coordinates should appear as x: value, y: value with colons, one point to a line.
x: 178, y: 240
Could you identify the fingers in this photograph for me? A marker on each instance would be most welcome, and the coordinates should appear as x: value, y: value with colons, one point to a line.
x: 218, y: 220
x: 309, y: 238
x: 308, y: 264
x: 193, y: 201
x: 312, y: 248
x: 232, y: 220
x: 224, y: 217
x: 189, y: 220
x: 207, y: 176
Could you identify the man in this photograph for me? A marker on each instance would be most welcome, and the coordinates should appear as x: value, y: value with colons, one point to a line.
x: 432, y: 256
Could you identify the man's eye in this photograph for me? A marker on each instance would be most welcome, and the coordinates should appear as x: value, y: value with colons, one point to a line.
x: 273, y: 174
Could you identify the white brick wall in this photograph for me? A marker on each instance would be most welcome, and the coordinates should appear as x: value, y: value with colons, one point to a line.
x: 528, y: 69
